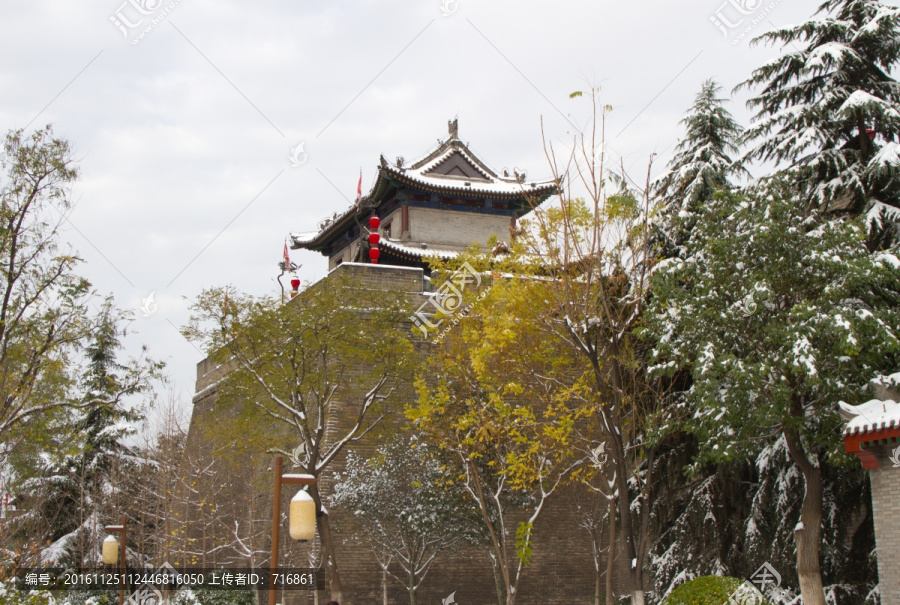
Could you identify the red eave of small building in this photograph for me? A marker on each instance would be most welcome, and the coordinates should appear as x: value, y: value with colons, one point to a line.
x: 853, y: 444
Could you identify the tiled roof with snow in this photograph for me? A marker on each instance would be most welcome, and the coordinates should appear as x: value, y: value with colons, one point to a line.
x: 415, y: 251
x: 453, y: 166
x: 298, y: 238
x: 874, y: 415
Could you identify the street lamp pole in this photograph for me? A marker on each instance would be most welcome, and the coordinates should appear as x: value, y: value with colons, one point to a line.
x: 289, y: 479
x: 122, y: 553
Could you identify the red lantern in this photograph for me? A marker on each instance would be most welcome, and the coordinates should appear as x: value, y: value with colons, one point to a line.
x: 374, y: 222
x: 295, y: 282
x: 374, y: 238
x: 374, y: 253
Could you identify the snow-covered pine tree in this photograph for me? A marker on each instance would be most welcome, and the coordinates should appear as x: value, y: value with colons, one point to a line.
x: 698, y: 521
x: 77, y: 488
x: 828, y: 111
x: 106, y: 421
x: 704, y: 162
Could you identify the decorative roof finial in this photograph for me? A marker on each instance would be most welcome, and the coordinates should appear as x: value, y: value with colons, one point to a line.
x: 453, y: 126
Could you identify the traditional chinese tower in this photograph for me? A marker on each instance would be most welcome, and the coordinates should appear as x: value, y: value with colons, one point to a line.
x: 873, y: 435
x: 436, y: 206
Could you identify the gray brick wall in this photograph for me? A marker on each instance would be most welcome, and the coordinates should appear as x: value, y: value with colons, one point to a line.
x: 886, y: 510
x: 561, y: 571
x: 455, y: 230
x: 383, y: 277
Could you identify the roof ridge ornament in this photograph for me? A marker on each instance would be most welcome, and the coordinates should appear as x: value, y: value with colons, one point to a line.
x: 453, y: 127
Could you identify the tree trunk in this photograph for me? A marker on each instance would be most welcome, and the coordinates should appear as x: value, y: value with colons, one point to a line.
x: 619, y: 459
x: 498, y: 547
x: 384, y: 583
x: 596, y: 541
x: 327, y: 540
x: 626, y: 521
x: 808, y: 531
x: 203, y: 554
x: 863, y: 139
x: 611, y: 555
x: 498, y: 580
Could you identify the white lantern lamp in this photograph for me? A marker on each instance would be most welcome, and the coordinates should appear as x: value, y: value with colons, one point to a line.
x: 110, y: 551
x: 303, y: 516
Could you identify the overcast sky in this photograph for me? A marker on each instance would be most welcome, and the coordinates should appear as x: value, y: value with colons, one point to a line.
x: 184, y: 114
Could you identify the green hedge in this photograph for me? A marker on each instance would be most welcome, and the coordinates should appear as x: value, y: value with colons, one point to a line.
x: 707, y: 590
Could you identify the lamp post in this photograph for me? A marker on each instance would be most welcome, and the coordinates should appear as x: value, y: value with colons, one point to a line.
x: 302, y: 517
x: 287, y: 266
x: 112, y: 552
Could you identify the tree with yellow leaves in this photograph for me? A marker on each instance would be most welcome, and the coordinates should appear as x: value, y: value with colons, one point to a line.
x: 493, y: 397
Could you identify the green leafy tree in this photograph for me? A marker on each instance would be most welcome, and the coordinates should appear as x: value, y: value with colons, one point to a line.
x: 60, y: 387
x: 777, y: 316
x: 713, y: 590
x: 327, y: 366
x: 43, y: 303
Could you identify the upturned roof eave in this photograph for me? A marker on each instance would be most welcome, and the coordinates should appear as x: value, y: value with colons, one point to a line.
x: 385, y: 175
x: 539, y: 192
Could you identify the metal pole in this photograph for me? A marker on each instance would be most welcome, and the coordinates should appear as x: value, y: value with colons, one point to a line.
x: 122, y: 557
x: 282, y: 286
x: 276, y: 526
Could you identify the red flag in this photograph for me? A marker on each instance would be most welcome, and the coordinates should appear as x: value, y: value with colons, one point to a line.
x: 287, y: 258
x: 359, y: 187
